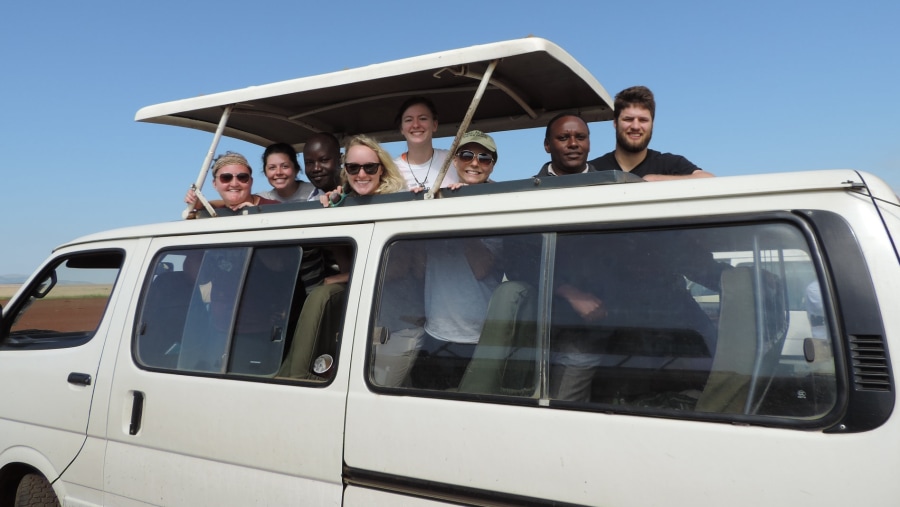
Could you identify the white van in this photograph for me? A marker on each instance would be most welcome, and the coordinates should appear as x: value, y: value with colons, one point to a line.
x: 189, y: 365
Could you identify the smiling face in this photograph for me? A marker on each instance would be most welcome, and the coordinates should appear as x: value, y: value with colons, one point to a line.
x: 281, y: 173
x: 634, y: 128
x: 417, y: 124
x: 233, y: 192
x: 362, y: 183
x: 568, y: 144
x: 323, y: 163
x: 473, y: 171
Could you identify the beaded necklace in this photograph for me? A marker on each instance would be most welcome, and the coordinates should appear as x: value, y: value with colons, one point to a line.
x: 427, y: 173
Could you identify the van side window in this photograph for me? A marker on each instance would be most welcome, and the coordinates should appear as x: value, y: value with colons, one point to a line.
x: 242, y: 310
x: 459, y: 315
x: 66, y: 303
x: 709, y: 320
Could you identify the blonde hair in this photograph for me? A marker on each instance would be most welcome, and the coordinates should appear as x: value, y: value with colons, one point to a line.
x: 391, y: 180
x: 230, y: 158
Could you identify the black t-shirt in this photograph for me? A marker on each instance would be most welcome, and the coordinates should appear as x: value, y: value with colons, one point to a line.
x: 654, y: 163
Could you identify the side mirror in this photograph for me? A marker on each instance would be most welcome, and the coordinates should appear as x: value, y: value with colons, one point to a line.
x: 45, y: 286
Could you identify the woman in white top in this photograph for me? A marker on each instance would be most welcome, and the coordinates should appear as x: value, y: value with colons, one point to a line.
x: 420, y: 164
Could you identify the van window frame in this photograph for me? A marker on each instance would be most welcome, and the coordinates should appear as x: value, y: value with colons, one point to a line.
x: 825, y: 234
x: 158, y: 255
x: 12, y: 312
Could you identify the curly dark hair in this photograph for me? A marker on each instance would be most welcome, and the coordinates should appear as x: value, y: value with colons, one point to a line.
x: 640, y: 96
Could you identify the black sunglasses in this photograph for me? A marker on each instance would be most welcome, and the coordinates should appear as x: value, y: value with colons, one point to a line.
x: 483, y: 158
x: 370, y: 168
x: 227, y: 177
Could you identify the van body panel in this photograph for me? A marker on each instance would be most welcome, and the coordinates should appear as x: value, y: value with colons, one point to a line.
x: 761, y: 191
x: 599, y: 459
x: 493, y: 445
x: 356, y: 496
x: 83, y: 479
x: 203, y: 439
x: 211, y: 439
x: 42, y: 408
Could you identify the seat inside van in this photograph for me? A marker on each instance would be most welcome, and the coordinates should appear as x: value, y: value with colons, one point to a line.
x: 504, y: 361
x: 317, y: 332
x: 753, y: 323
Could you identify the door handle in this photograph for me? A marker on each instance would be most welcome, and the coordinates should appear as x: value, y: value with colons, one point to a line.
x: 137, y: 412
x: 80, y: 379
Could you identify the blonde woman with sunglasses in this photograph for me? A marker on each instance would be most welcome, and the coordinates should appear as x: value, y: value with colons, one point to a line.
x: 233, y: 179
x: 367, y: 170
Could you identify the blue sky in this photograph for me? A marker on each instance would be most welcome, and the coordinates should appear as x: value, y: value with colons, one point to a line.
x: 741, y: 87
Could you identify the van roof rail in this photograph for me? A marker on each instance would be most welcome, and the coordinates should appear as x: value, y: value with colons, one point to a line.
x: 503, y: 187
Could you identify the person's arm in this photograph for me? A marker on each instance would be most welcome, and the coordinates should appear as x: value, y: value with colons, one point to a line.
x: 343, y: 257
x: 588, y: 306
x: 481, y: 259
x: 693, y: 260
x: 699, y: 173
x: 332, y: 198
x: 191, y: 198
x: 255, y: 200
x: 674, y: 167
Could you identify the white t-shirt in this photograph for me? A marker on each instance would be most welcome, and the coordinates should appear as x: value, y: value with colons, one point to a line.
x: 301, y: 195
x: 456, y: 302
x: 423, y: 175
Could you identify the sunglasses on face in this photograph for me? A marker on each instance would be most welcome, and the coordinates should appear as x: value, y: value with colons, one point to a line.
x: 227, y: 177
x: 483, y: 158
x: 370, y: 168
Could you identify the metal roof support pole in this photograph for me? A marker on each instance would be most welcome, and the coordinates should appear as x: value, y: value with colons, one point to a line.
x: 463, y: 127
x: 497, y: 83
x: 208, y: 160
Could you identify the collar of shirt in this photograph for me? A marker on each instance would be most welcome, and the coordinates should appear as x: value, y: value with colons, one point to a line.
x: 551, y: 172
x: 314, y: 195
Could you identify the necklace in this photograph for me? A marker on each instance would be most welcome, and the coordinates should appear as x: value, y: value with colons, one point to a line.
x: 427, y: 173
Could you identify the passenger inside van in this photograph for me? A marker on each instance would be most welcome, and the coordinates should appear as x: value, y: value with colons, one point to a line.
x: 473, y: 161
x: 368, y: 170
x: 568, y: 141
x: 282, y: 169
x: 233, y: 179
x: 473, y: 164
x: 417, y: 120
x: 633, y: 115
x: 620, y: 296
x: 461, y: 275
x: 322, y: 158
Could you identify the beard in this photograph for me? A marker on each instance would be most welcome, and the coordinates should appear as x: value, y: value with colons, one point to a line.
x: 628, y: 145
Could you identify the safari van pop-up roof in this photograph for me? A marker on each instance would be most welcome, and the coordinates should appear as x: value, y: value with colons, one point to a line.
x: 508, y: 85
x: 534, y: 80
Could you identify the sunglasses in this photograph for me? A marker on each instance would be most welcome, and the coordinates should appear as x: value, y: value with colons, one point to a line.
x: 227, y: 177
x: 483, y: 158
x: 370, y: 168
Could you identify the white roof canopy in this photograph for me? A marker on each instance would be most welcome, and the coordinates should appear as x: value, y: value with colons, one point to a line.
x: 533, y: 81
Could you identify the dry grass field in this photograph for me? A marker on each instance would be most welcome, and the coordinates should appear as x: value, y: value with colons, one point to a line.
x: 66, y: 308
x: 63, y: 291
x: 7, y: 290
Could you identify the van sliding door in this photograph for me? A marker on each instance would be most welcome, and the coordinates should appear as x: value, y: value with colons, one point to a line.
x: 234, y: 387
